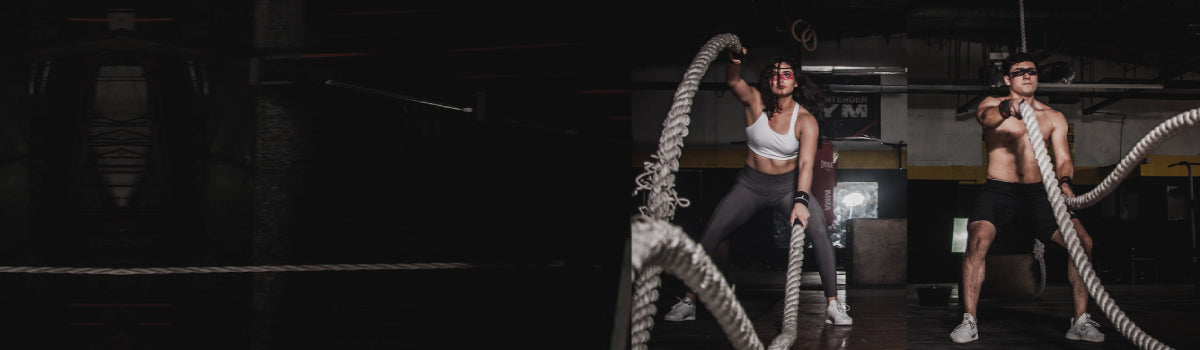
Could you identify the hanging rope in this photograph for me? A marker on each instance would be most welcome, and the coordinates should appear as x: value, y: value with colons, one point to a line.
x: 1082, y: 265
x: 1039, y: 247
x: 1021, y: 5
x: 1039, y: 254
x: 658, y: 246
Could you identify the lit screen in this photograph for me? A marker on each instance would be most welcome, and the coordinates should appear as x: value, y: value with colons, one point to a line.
x: 959, y: 244
x: 853, y: 200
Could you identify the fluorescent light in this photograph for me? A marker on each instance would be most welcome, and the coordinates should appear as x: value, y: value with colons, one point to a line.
x: 853, y: 199
x: 853, y: 69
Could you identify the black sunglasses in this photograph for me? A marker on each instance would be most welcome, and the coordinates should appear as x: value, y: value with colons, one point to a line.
x: 1021, y: 71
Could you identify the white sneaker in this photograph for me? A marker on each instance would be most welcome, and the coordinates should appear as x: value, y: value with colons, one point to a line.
x: 1085, y: 329
x: 966, y: 331
x: 681, y: 311
x: 835, y: 314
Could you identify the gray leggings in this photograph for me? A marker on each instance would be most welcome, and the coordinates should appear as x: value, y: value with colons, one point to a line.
x: 754, y: 191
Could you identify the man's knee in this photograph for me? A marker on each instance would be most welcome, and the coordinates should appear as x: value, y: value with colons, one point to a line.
x: 980, y: 235
x: 1085, y: 240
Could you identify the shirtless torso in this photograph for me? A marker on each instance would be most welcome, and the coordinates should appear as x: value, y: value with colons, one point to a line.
x: 1010, y: 154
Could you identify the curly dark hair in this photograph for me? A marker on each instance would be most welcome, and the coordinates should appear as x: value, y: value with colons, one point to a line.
x: 1014, y: 59
x: 807, y: 93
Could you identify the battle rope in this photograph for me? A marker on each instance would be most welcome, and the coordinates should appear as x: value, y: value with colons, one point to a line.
x: 659, y: 177
x: 658, y: 246
x: 1152, y: 140
x: 1039, y: 254
x: 251, y: 269
x: 661, y: 246
x: 1082, y: 265
x: 791, y: 296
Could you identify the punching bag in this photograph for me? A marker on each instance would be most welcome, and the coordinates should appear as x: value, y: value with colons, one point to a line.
x: 823, y: 181
x: 825, y: 177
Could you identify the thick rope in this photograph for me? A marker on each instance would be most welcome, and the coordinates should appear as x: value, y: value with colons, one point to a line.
x: 644, y: 294
x: 1039, y: 254
x: 659, y: 177
x: 791, y: 299
x: 660, y: 245
x: 1148, y: 143
x: 252, y: 269
x: 1021, y: 7
x: 1082, y: 265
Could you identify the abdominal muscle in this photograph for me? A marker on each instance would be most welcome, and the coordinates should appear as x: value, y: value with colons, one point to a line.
x: 769, y: 166
x: 1011, y: 158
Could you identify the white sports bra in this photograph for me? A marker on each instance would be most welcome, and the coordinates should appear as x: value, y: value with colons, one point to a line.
x: 765, y: 142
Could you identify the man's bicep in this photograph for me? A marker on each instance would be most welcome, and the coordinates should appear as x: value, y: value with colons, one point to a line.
x: 1058, y: 138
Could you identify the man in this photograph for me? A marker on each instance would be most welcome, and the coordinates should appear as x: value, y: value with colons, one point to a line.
x: 1014, y: 193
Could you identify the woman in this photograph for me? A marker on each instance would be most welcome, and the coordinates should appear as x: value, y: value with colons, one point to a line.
x: 781, y: 135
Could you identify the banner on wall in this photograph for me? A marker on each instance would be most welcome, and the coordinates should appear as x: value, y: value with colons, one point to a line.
x: 851, y: 115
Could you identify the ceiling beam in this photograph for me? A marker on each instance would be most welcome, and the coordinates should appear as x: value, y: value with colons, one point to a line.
x: 1162, y: 78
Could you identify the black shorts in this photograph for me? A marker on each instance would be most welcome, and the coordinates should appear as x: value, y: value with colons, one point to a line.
x: 1006, y: 204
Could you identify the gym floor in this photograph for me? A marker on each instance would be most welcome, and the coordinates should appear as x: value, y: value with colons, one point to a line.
x: 896, y: 318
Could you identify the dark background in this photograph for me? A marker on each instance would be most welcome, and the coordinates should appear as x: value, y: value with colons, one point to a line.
x: 248, y: 156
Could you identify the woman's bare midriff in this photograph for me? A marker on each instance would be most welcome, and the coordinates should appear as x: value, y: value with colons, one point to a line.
x: 770, y: 166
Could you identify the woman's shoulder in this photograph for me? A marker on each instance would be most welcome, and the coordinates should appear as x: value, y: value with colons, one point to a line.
x: 804, y: 115
x: 805, y: 120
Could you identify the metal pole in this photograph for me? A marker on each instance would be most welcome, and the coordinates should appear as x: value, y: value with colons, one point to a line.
x: 1192, y: 213
x: 1192, y: 217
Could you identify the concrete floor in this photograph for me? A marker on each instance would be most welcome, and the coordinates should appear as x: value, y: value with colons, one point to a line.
x: 894, y: 317
x: 878, y: 315
x: 1169, y: 313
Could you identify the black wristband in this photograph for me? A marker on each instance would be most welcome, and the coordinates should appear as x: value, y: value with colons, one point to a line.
x: 801, y: 197
x: 736, y: 54
x: 1004, y: 109
x: 1064, y: 180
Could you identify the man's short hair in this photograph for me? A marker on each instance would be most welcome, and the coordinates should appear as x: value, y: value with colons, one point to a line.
x: 1017, y: 58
